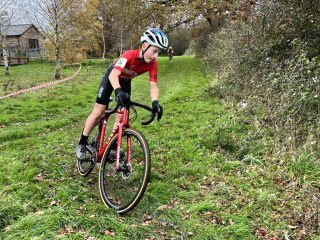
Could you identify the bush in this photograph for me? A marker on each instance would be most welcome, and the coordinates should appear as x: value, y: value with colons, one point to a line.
x: 274, y: 69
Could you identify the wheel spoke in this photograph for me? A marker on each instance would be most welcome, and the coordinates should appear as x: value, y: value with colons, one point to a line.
x: 123, y: 189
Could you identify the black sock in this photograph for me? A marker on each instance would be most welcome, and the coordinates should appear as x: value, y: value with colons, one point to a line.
x: 83, y: 140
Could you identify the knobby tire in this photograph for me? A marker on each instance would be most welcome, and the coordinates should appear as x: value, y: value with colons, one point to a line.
x: 122, y: 190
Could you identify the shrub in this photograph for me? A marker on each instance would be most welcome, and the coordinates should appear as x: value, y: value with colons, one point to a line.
x: 274, y: 68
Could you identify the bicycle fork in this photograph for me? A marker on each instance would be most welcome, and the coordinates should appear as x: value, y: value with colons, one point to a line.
x: 121, y: 125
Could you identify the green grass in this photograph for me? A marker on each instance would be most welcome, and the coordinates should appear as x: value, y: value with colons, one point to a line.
x: 210, y: 178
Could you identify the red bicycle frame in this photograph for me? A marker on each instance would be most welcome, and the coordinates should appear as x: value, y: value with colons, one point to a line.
x: 124, y: 122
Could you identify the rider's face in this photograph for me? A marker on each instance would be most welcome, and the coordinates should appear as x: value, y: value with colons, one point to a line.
x: 151, y: 54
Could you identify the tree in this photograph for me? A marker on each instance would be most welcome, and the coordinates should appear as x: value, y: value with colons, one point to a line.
x: 90, y: 25
x: 6, y: 18
x: 171, y: 14
x: 59, y: 23
x: 201, y: 17
x: 299, y: 20
x: 117, y: 25
x: 121, y: 21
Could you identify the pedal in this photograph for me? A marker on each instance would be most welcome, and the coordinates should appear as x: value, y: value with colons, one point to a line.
x: 85, y: 160
x: 90, y: 149
x: 93, y: 160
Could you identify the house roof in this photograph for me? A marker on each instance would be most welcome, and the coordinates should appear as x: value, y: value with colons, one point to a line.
x: 15, y: 30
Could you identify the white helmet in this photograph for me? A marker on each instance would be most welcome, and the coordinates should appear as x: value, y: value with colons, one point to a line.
x: 155, y: 37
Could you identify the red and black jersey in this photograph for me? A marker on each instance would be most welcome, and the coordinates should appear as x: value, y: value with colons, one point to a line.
x: 131, y: 66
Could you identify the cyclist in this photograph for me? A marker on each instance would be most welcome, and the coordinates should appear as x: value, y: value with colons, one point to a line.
x: 170, y: 53
x: 118, y: 78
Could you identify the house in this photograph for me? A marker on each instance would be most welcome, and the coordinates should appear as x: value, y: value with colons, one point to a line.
x: 22, y: 42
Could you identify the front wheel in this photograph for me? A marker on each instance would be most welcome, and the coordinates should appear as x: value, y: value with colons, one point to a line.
x: 123, y: 189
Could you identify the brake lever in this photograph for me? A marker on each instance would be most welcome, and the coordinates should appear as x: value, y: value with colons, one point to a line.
x: 159, y: 115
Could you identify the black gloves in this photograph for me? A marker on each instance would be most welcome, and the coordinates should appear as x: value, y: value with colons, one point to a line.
x: 157, y: 108
x: 122, y: 97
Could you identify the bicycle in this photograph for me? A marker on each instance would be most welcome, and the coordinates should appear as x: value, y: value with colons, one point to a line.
x: 124, y: 162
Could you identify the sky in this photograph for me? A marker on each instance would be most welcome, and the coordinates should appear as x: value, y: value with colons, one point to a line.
x: 22, y: 11
x: 22, y: 16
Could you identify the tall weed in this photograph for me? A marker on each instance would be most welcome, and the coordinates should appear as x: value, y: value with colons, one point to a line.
x: 306, y: 169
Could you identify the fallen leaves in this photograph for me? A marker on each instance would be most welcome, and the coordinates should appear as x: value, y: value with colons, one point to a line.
x: 39, y: 212
x: 260, y: 231
x: 54, y: 203
x: 161, y: 228
x: 183, y: 187
x: 185, y: 217
x: 67, y: 230
x: 164, y: 207
x: 39, y: 177
x: 72, y: 229
x: 173, y: 203
x: 109, y: 232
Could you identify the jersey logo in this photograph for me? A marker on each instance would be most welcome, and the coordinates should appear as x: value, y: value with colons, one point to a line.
x: 100, y: 92
x: 121, y: 62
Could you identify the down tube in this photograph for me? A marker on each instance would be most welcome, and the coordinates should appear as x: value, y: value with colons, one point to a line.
x: 120, y: 131
x: 128, y: 148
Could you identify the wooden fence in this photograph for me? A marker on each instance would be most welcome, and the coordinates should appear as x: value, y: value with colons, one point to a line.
x: 15, y: 61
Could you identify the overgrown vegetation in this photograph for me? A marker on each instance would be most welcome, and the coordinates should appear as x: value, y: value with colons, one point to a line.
x: 269, y: 66
x: 212, y: 177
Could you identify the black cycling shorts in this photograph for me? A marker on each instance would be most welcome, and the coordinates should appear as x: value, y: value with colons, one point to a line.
x: 105, y: 88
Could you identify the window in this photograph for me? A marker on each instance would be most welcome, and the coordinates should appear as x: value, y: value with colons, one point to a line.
x: 33, y: 43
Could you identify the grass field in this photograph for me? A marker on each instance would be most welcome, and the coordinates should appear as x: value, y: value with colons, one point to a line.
x: 210, y: 178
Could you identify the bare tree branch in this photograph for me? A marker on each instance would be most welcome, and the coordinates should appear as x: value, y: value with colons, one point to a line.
x: 58, y: 26
x: 8, y: 9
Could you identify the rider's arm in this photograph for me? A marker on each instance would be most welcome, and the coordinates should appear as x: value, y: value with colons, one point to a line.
x: 114, y: 78
x: 154, y: 91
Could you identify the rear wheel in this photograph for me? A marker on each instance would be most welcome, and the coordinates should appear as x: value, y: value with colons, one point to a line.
x: 123, y: 189
x: 86, y: 166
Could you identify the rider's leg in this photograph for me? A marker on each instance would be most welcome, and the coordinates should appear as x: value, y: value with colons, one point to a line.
x: 94, y: 118
x: 102, y: 100
x: 91, y: 122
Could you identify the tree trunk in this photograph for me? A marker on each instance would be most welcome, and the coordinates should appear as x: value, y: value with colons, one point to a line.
x: 6, y: 64
x: 121, y: 39
x: 104, y: 43
x: 57, y: 75
x: 56, y: 39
